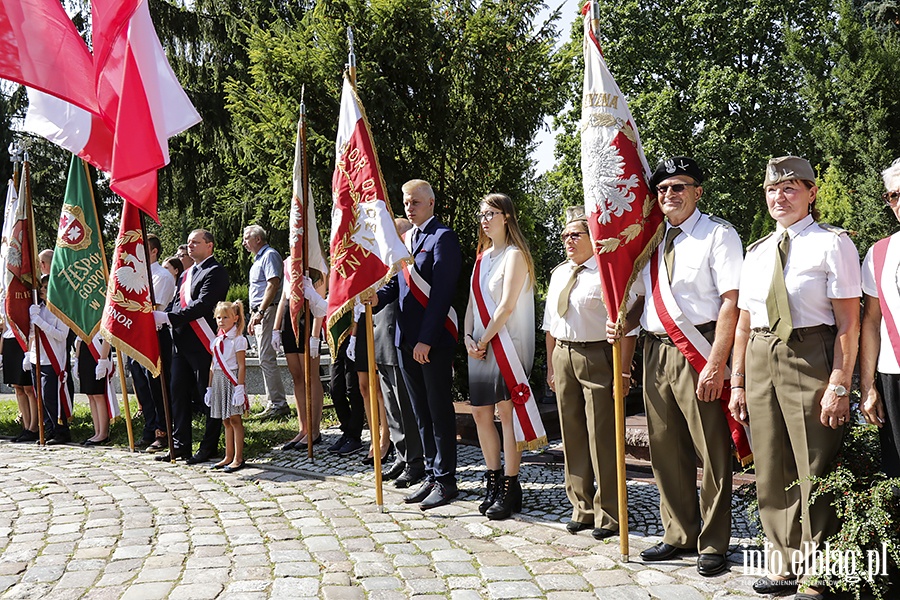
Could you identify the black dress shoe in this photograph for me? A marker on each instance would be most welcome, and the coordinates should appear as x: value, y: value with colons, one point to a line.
x: 767, y: 585
x: 421, y: 492
x: 301, y: 445
x: 601, y: 533
x: 90, y: 442
x: 440, y: 495
x: 574, y: 527
x: 394, y: 471
x: 710, y: 565
x: 201, y: 456
x: 26, y: 436
x: 411, y: 476
x: 182, y: 454
x: 661, y: 551
x: 289, y: 446
x: 230, y: 469
x: 59, y: 439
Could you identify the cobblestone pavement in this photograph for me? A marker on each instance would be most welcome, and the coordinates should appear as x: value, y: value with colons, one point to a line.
x: 103, y: 523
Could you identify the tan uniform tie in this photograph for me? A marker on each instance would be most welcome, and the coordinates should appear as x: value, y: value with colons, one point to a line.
x: 777, y: 305
x: 669, y: 250
x: 563, y: 303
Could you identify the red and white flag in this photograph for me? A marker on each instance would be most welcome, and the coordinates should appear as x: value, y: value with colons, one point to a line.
x: 138, y: 97
x: 366, y: 250
x: 40, y: 48
x: 624, y: 218
x: 303, y: 227
x: 127, y: 320
x: 19, y: 265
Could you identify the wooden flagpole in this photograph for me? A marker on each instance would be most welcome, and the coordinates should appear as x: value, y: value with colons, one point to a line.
x: 307, y: 326
x: 35, y: 286
x: 618, y: 392
x: 374, y: 412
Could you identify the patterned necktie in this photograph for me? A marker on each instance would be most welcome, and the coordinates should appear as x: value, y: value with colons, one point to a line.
x: 777, y: 305
x: 563, y: 303
x: 669, y: 250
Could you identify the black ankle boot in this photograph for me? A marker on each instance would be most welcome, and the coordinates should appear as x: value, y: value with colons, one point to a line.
x: 492, y: 487
x: 509, y: 499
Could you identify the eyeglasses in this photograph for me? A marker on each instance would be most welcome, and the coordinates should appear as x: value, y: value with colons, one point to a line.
x: 488, y: 215
x: 676, y: 188
x: 572, y: 235
x: 891, y: 198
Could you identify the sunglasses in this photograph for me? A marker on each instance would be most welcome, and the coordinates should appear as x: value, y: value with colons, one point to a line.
x: 574, y: 236
x: 891, y: 198
x: 676, y: 188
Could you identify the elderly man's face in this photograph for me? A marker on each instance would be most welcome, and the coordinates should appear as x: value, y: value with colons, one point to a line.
x: 251, y: 242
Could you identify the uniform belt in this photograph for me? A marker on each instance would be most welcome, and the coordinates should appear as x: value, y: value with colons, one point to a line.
x: 665, y: 339
x: 800, y: 332
x: 566, y: 344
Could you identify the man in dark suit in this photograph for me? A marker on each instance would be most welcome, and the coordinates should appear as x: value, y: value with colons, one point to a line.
x: 426, y: 345
x: 193, y: 327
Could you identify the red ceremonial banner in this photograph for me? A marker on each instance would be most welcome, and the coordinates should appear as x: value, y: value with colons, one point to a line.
x: 624, y: 219
x: 127, y: 320
x: 19, y: 265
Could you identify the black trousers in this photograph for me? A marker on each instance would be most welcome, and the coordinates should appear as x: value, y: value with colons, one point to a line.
x: 889, y: 387
x: 345, y: 394
x: 189, y: 380
x: 148, y: 389
x: 430, y: 388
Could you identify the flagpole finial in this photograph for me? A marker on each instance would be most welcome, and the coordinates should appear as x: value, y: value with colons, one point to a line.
x: 302, y: 102
x: 351, y: 57
x: 595, y: 17
x: 16, y: 151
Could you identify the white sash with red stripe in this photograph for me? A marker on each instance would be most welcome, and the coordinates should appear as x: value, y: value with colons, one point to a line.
x: 219, y: 357
x: 694, y: 346
x: 200, y: 326
x: 57, y: 362
x: 886, y: 256
x: 527, y: 423
x: 109, y: 392
x: 421, y: 289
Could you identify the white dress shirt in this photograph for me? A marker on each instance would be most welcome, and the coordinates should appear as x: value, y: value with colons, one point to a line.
x: 708, y: 255
x: 163, y: 285
x: 585, y: 319
x: 822, y: 265
x: 887, y: 360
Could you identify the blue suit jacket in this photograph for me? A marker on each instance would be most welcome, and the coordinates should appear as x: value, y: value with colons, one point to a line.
x: 438, y: 259
x: 209, y: 286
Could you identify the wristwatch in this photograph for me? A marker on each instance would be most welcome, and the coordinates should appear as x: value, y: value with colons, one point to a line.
x: 839, y: 390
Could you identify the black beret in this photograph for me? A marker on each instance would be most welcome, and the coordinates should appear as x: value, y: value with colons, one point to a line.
x: 677, y: 165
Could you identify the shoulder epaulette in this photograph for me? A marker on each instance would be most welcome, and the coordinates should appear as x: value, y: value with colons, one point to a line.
x: 759, y: 241
x: 558, y: 266
x: 720, y: 221
x: 833, y: 228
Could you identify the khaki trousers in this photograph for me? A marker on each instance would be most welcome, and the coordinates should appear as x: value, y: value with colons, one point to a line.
x: 785, y: 384
x: 583, y: 376
x: 681, y: 429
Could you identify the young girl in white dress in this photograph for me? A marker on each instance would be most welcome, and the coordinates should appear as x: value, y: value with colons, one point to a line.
x: 226, y: 396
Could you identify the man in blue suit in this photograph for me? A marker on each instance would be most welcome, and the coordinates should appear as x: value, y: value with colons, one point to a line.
x: 427, y: 341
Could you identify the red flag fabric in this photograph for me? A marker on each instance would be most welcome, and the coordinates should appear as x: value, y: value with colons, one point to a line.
x: 366, y: 250
x: 19, y: 266
x: 40, y: 48
x: 138, y: 96
x: 624, y: 218
x: 127, y: 320
x: 302, y: 226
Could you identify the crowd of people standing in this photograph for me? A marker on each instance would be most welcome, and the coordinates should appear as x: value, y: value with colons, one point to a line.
x: 766, y: 341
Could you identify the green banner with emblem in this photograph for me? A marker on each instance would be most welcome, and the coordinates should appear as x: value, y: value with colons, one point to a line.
x: 77, y: 289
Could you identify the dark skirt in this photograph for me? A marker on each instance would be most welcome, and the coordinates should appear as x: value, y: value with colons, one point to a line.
x: 13, y: 355
x: 288, y: 341
x: 87, y: 372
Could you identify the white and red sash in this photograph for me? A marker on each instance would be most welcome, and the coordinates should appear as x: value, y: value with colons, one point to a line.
x: 421, y: 289
x: 527, y: 423
x: 886, y: 256
x: 109, y: 391
x: 63, y: 399
x: 200, y: 326
x: 219, y: 357
x: 694, y: 346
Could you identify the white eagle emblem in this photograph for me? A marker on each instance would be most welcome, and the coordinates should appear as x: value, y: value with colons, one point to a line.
x: 606, y: 192
x: 132, y: 275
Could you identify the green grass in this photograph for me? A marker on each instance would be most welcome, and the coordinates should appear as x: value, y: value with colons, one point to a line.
x: 259, y: 435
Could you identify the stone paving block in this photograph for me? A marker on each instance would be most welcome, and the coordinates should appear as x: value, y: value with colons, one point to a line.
x: 426, y: 586
x: 297, y: 569
x: 505, y: 574
x: 455, y: 568
x: 43, y: 574
x: 651, y: 577
x: 104, y: 593
x: 500, y: 590
x: 218, y: 575
x: 411, y: 560
x: 465, y: 595
x: 627, y: 592
x: 126, y: 552
x: 78, y: 579
x: 346, y: 592
x: 556, y: 582
x: 608, y: 578
x: 674, y: 592
x: 381, y: 583
x: 149, y: 591
x: 292, y: 587
x: 206, y: 591
x: 321, y: 543
x: 372, y: 569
